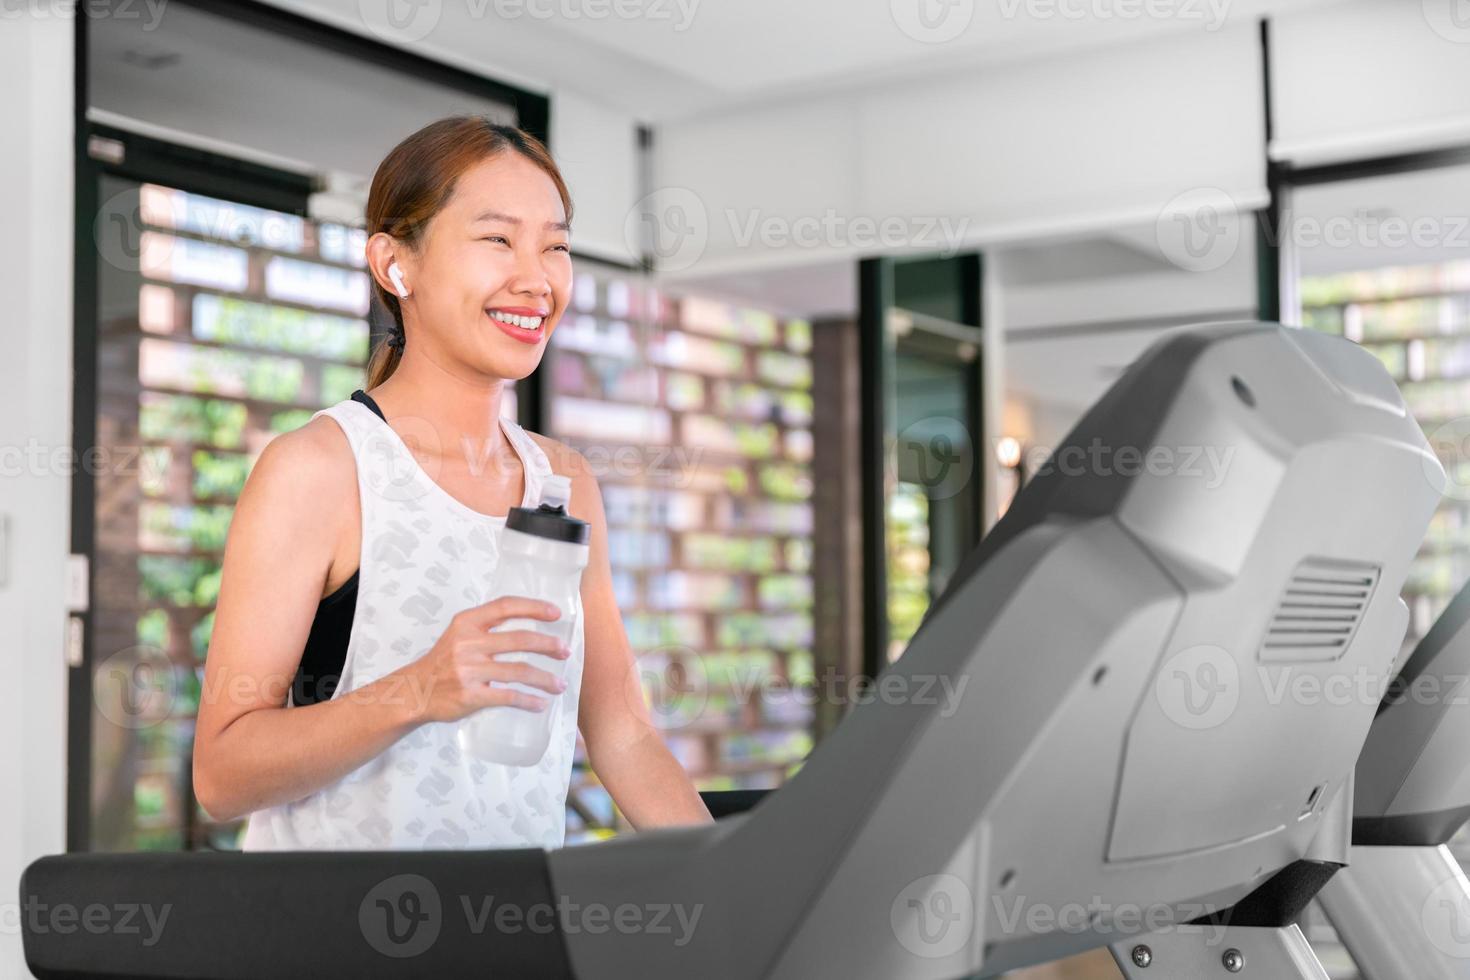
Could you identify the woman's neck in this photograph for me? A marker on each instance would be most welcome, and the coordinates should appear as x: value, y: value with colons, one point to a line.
x: 464, y: 415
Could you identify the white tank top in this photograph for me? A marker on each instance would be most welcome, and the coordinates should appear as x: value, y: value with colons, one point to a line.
x: 426, y: 556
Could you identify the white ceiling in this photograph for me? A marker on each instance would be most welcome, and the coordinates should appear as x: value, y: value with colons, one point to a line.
x: 1403, y: 219
x: 239, y: 89
x: 675, y: 58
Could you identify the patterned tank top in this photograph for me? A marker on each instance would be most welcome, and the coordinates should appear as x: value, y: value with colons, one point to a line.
x: 426, y: 556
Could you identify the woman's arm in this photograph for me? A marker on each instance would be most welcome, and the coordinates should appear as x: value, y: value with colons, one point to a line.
x: 624, y: 747
x: 249, y: 751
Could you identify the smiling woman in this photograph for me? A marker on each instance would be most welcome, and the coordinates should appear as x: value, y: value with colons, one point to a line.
x: 361, y: 554
x: 448, y: 171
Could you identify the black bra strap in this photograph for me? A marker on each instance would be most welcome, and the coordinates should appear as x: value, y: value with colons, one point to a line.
x: 361, y: 396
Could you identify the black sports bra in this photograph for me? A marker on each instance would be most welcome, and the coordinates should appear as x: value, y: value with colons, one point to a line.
x: 325, y: 653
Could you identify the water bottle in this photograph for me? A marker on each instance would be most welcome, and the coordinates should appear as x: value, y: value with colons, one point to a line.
x: 542, y: 554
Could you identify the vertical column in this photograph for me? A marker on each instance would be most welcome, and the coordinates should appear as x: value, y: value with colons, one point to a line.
x: 837, y: 533
x: 36, y: 187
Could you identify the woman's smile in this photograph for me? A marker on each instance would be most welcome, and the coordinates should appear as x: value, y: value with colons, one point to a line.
x: 519, y: 323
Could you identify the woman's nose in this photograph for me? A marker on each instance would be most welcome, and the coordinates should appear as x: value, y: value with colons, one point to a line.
x: 531, y: 277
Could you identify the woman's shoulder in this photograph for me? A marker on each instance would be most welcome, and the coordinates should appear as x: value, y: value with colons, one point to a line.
x: 315, y: 459
x: 301, y: 489
x: 564, y: 460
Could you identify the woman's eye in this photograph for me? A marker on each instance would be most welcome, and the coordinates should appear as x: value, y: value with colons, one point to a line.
x: 495, y: 238
x: 561, y: 248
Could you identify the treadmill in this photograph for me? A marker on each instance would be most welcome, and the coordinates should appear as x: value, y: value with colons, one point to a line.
x: 1121, y: 767
x: 1402, y: 906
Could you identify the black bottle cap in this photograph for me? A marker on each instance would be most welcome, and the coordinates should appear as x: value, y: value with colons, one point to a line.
x: 547, y: 522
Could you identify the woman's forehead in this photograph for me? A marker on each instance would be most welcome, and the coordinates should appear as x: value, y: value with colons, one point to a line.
x: 506, y: 187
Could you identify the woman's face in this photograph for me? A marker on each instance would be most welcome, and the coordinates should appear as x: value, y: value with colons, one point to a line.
x: 492, y: 273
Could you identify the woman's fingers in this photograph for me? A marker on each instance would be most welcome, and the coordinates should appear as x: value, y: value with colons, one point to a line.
x: 497, y: 611
x: 513, y: 672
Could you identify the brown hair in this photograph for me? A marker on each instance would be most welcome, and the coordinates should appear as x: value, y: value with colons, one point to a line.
x: 414, y: 182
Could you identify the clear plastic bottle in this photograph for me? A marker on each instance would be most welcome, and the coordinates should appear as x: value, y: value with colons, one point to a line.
x: 542, y: 554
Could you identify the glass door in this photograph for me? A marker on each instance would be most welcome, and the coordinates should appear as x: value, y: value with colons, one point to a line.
x: 219, y: 326
x: 924, y: 493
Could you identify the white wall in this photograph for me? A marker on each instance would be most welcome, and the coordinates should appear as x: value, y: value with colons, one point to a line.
x: 35, y: 409
x: 1076, y: 313
x: 1066, y: 144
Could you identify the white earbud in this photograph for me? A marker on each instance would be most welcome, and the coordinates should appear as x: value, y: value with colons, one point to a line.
x: 396, y: 274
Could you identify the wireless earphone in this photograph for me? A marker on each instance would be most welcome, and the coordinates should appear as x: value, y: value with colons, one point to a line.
x: 396, y: 274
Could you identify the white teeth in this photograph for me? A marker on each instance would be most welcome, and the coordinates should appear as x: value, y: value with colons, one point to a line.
x: 524, y: 322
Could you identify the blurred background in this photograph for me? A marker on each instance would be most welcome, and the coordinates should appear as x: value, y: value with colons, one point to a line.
x: 844, y: 274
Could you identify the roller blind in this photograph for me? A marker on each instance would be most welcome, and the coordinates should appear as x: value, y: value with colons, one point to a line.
x: 1366, y: 79
x: 1080, y: 142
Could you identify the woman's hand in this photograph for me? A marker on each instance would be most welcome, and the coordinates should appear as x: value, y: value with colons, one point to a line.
x: 453, y: 679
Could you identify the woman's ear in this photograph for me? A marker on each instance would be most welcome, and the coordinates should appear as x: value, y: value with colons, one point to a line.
x: 382, y: 254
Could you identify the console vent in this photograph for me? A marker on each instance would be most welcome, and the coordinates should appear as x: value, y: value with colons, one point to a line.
x: 1319, y: 611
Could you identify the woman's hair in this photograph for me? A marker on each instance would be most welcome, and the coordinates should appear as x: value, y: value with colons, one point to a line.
x: 414, y: 182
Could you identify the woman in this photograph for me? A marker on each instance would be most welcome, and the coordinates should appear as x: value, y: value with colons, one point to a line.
x: 352, y: 631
